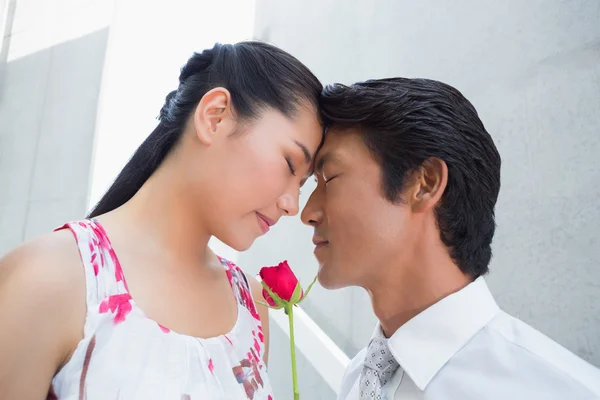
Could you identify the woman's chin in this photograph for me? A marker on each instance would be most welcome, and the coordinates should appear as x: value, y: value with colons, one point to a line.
x: 237, y: 243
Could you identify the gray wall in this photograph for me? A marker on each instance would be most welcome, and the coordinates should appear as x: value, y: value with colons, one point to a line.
x: 48, y: 103
x: 532, y: 69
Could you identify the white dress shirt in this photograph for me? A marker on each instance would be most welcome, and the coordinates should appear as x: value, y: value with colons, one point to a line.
x: 465, y: 348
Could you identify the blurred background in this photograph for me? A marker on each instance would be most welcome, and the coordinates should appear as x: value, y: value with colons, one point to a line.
x: 82, y: 81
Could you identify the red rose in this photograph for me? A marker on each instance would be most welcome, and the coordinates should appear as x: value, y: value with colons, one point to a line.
x: 281, y: 280
x: 281, y: 289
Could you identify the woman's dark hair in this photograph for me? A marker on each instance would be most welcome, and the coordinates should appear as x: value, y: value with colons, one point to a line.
x: 258, y: 76
x: 405, y: 122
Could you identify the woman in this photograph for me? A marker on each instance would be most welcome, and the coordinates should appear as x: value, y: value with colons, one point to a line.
x: 157, y: 315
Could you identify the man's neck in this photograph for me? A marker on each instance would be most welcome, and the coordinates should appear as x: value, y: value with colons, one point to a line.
x: 399, y: 298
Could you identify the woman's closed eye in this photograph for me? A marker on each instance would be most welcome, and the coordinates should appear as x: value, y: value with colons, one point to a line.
x: 290, y: 166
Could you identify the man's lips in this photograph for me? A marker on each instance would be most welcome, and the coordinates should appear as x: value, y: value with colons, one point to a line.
x: 319, y: 242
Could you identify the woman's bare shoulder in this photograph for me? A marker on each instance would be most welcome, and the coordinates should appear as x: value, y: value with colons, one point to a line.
x: 42, y: 309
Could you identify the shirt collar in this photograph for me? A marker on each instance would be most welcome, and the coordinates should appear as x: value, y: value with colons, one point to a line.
x: 426, y: 343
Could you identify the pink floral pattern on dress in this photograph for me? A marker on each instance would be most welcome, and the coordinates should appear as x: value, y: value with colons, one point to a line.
x: 111, y: 326
x: 237, y: 279
x: 248, y: 374
x: 105, y: 244
x: 119, y: 303
x: 261, y: 336
x: 163, y: 328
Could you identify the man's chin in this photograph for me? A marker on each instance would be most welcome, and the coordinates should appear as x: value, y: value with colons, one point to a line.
x: 328, y: 280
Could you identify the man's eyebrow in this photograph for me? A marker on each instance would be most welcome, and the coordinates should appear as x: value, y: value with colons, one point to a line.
x: 322, y: 160
x: 307, y: 155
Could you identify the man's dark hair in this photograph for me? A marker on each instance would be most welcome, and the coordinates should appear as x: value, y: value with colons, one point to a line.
x: 405, y: 122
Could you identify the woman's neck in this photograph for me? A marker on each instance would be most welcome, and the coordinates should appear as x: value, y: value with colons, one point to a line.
x: 161, y: 214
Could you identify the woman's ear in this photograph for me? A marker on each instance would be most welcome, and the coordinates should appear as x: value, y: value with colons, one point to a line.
x: 213, y: 110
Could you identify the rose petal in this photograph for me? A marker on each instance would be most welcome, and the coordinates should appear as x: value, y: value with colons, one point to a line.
x: 268, y: 298
x: 287, y: 281
x: 280, y: 279
x: 269, y: 275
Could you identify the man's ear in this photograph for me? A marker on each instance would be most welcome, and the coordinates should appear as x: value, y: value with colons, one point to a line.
x: 211, y: 114
x: 428, y: 185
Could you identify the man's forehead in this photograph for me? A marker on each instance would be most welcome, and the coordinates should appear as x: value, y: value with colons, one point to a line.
x: 337, y: 142
x: 334, y: 149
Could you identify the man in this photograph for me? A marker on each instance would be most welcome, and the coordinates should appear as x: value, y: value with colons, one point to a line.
x: 408, y: 179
